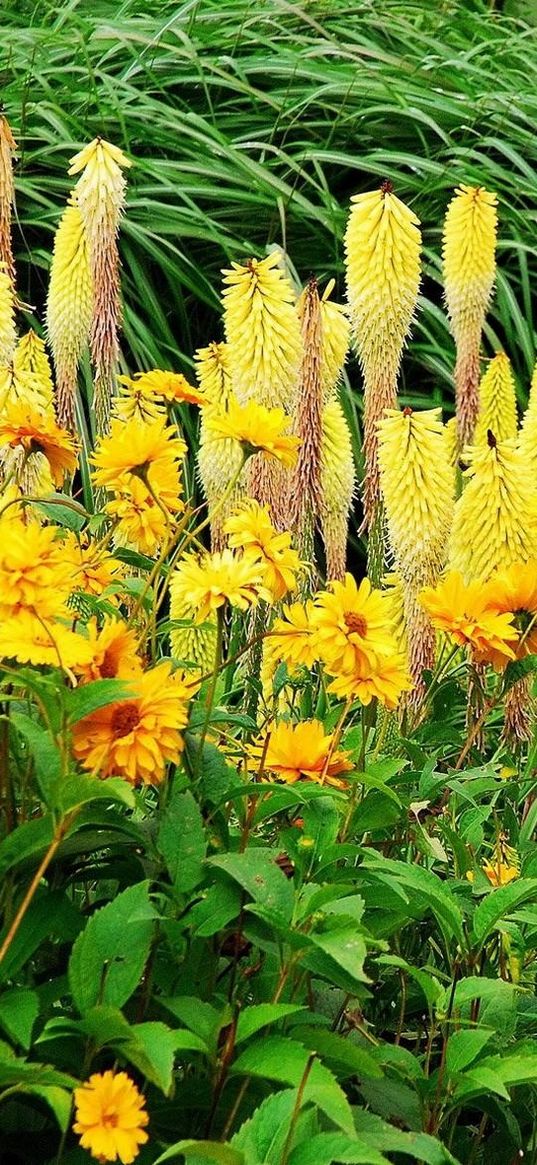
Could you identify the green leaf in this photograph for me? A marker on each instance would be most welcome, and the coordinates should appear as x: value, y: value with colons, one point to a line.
x: 108, y: 958
x: 28, y: 840
x: 430, y: 890
x: 284, y: 1060
x: 19, y: 1009
x: 81, y: 790
x: 181, y: 841
x: 429, y: 985
x: 260, y: 1015
x: 59, y: 1100
x: 500, y: 903
x: 256, y: 871
x: 15, y: 1072
x: 202, y: 1151
x: 345, y: 947
x: 152, y: 1050
x: 516, y: 670
x: 202, y: 1019
x: 420, y: 1146
x: 44, y: 751
x: 325, y: 1148
x: 479, y: 1081
x: 50, y: 915
x: 347, y: 1058
x: 88, y: 698
x: 263, y: 1136
x: 463, y: 1048
x: 515, y: 1069
x: 63, y: 511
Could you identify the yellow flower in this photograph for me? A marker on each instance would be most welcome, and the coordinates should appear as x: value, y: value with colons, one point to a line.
x: 192, y: 644
x: 34, y: 572
x: 173, y: 387
x: 352, y: 625
x: 30, y: 638
x: 468, y: 613
x: 203, y: 583
x: 113, y: 652
x: 384, y: 679
x: 497, y: 401
x: 469, y: 246
x: 8, y: 336
x: 527, y: 441
x: 134, y: 449
x: 499, y: 873
x: 495, y: 520
x: 291, y: 638
x: 338, y: 484
x: 262, y: 331
x: 94, y: 570
x: 30, y: 357
x: 258, y: 428
x: 514, y: 590
x: 135, y: 737
x: 24, y: 426
x: 141, y: 524
x: 135, y: 401
x: 69, y: 307
x: 250, y: 528
x: 110, y: 1117
x: 382, y: 244
x: 335, y: 329
x: 301, y: 750
x: 213, y: 373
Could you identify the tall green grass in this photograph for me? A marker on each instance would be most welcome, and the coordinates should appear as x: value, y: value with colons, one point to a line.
x: 251, y: 122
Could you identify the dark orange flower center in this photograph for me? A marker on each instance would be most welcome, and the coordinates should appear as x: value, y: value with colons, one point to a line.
x: 356, y: 623
x: 124, y: 719
x: 110, y: 1120
x: 108, y: 668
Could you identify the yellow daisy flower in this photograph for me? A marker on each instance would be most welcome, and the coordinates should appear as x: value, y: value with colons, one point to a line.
x: 28, y: 427
x: 259, y: 429
x: 136, y: 737
x: 113, y: 651
x: 34, y: 573
x: 291, y: 638
x: 384, y: 680
x: 110, y: 1117
x: 141, y: 524
x: 352, y: 625
x: 251, y: 528
x: 133, y: 449
x: 29, y: 638
x: 173, y: 387
x: 301, y: 750
x: 202, y: 584
x: 468, y: 613
x: 514, y: 590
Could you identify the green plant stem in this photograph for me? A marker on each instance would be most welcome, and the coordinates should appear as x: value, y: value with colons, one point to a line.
x: 296, y: 1110
x: 42, y: 868
x: 212, y: 686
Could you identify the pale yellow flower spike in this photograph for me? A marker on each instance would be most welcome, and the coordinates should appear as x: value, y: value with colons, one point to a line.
x: 100, y: 195
x: 30, y: 358
x: 192, y: 644
x: 382, y: 245
x: 8, y: 336
x: 263, y: 332
x: 338, y: 484
x: 219, y: 459
x: 469, y: 245
x: 495, y: 521
x: 418, y: 489
x: 528, y: 431
x: 305, y: 498
x: 7, y: 197
x: 69, y: 308
x: 497, y: 401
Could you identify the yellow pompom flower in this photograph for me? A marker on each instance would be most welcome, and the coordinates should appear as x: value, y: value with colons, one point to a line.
x: 34, y: 573
x: 258, y: 429
x: 262, y: 332
x: 140, y: 522
x: 30, y: 358
x: 30, y: 638
x: 23, y: 427
x: 147, y: 452
x: 497, y: 401
x: 8, y: 146
x: 134, y: 738
x: 384, y: 680
x: 93, y: 570
x: 69, y: 308
x: 291, y: 638
x: 203, y: 583
x: 100, y: 196
x: 470, y: 615
x: 514, y: 590
x: 250, y: 528
x: 495, y: 521
x: 469, y: 246
x: 351, y: 625
x: 113, y: 651
x: 8, y: 336
x: 382, y: 245
x: 292, y: 751
x: 338, y: 484
x: 110, y: 1117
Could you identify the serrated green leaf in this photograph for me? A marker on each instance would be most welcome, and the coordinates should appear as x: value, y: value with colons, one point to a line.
x: 19, y: 1009
x: 284, y: 1060
x: 261, y: 1015
x: 463, y: 1048
x: 326, y: 1148
x: 109, y: 956
x: 88, y: 698
x: 256, y: 871
x: 263, y: 1136
x: 181, y: 841
x: 500, y: 903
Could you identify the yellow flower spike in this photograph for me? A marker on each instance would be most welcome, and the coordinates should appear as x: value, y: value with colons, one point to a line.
x: 69, y: 308
x: 8, y: 146
x: 451, y: 441
x: 469, y: 246
x: 100, y: 196
x: 30, y: 357
x: 527, y: 439
x: 262, y: 332
x: 193, y: 644
x: 110, y: 1117
x: 495, y: 519
x: 418, y: 487
x: 382, y: 245
x: 219, y: 458
x: 8, y: 335
x: 338, y: 484
x: 497, y: 401
x: 305, y: 498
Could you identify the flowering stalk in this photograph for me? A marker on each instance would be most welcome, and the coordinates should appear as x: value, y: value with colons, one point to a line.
x: 418, y: 488
x: 7, y: 197
x: 8, y: 336
x: 335, y: 329
x: 527, y: 440
x: 69, y: 308
x: 382, y: 244
x: 305, y: 495
x: 219, y: 459
x: 338, y: 484
x: 100, y: 196
x: 469, y: 245
x: 497, y: 401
